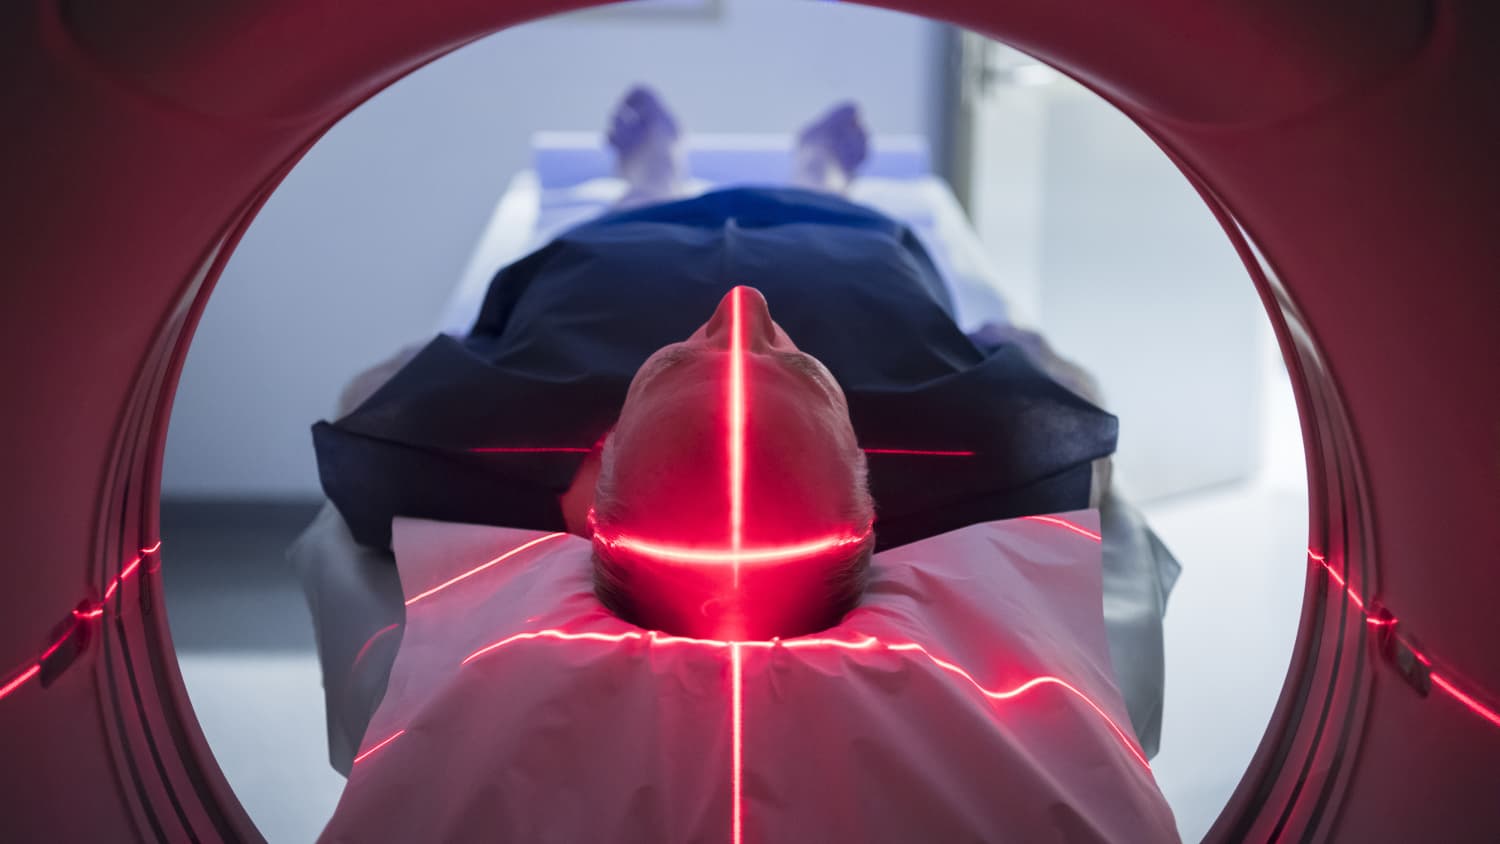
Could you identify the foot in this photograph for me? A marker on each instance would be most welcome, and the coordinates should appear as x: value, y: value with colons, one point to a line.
x: 831, y: 150
x: 644, y: 135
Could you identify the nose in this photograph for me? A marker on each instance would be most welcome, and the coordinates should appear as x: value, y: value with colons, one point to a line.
x: 747, y: 307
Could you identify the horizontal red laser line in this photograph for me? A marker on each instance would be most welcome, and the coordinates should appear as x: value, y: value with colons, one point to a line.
x: 477, y: 569
x: 363, y: 756
x: 919, y: 452
x: 575, y: 449
x: 735, y: 444
x: 115, y: 584
x: 689, y: 554
x: 1064, y: 523
x: 737, y: 741
x: 533, y: 450
x: 867, y: 643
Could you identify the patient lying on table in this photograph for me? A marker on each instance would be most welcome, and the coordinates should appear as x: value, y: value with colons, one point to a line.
x: 728, y: 491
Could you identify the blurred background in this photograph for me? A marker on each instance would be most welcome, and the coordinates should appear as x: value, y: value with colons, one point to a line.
x: 1094, y: 236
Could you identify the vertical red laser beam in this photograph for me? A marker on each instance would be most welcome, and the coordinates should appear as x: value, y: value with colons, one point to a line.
x: 736, y: 427
x: 737, y: 740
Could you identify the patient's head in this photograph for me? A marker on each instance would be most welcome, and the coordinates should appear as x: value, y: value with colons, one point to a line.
x: 732, y: 501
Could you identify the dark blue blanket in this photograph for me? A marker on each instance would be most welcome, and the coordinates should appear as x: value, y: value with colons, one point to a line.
x: 563, y: 330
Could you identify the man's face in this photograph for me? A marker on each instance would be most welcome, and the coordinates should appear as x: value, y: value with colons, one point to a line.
x: 735, y: 438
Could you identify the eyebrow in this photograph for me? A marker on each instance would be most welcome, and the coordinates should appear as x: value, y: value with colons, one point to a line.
x: 810, y: 368
x: 667, y: 360
x: 802, y: 363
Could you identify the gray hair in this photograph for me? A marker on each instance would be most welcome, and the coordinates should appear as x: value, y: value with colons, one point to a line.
x: 616, y: 584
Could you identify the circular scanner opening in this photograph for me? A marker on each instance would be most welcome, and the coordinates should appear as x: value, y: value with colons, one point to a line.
x: 1052, y: 210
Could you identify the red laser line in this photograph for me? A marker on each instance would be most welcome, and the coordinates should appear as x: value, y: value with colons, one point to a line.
x: 477, y: 569
x: 1438, y: 680
x: 1036, y: 682
x: 20, y: 680
x: 858, y: 645
x: 532, y: 450
x: 1475, y: 706
x: 736, y: 441
x: 363, y: 756
x: 918, y: 452
x: 1353, y: 596
x: 737, y: 741
x: 1064, y: 523
x: 52, y: 648
x: 365, y: 648
x: 866, y: 643
x: 733, y: 555
x: 79, y: 616
x: 573, y: 449
x: 119, y: 579
x: 551, y: 634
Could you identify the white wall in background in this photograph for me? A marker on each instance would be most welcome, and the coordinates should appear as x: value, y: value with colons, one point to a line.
x: 357, y: 250
x: 1108, y: 247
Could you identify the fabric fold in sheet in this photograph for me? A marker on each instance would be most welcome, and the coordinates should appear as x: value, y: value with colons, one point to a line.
x: 936, y: 711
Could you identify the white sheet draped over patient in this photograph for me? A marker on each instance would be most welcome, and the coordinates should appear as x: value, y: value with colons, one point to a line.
x: 969, y: 698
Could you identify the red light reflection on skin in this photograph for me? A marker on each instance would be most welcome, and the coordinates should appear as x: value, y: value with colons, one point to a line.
x: 1438, y: 680
x: 736, y: 440
x: 366, y: 755
x: 79, y: 617
x: 733, y: 555
x: 914, y: 452
x: 1064, y: 523
x: 477, y: 569
x: 737, y: 742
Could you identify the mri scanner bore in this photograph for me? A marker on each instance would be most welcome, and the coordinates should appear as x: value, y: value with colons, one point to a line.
x: 744, y: 469
x: 1346, y: 150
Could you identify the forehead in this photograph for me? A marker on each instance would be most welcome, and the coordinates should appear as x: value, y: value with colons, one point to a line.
x: 681, y: 364
x: 670, y: 457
